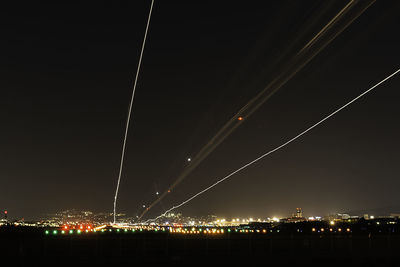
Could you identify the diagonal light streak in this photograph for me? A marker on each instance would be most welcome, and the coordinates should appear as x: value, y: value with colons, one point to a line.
x: 277, y: 148
x: 130, y: 111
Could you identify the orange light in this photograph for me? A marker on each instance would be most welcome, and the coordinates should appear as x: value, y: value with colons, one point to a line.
x: 240, y: 118
x: 65, y: 227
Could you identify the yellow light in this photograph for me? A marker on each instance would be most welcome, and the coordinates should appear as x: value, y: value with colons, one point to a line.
x: 339, y: 229
x: 313, y: 229
x: 348, y: 229
x: 332, y: 222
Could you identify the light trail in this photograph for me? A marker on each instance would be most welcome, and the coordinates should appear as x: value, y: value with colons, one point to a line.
x: 130, y: 110
x: 275, y: 149
x: 324, y: 37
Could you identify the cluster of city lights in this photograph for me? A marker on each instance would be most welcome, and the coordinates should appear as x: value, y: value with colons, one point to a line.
x: 178, y: 229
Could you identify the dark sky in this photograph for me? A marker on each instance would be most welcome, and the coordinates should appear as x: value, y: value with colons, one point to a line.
x: 66, y: 74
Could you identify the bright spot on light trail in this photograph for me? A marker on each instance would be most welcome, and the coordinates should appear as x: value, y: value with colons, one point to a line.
x: 240, y: 118
x: 189, y: 159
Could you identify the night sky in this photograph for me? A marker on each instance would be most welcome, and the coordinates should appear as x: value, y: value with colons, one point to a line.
x: 66, y: 75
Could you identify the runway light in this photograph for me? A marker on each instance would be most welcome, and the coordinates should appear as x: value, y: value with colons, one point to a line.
x: 240, y: 118
x: 332, y: 222
x: 79, y: 231
x: 189, y: 159
x: 46, y: 232
x: 54, y: 232
x: 63, y: 232
x: 71, y: 231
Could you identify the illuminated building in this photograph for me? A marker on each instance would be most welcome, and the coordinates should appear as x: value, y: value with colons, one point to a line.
x: 299, y: 213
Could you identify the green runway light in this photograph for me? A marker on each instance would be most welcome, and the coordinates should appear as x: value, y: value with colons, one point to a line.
x: 54, y: 232
x: 79, y: 231
x: 71, y: 231
x: 229, y: 230
x: 102, y: 230
x: 62, y: 232
x: 117, y: 230
x: 46, y: 232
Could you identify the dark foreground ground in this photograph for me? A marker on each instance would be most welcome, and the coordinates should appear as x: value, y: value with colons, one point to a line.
x: 32, y: 247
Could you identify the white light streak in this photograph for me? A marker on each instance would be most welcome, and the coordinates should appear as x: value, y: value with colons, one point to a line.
x: 277, y: 148
x: 130, y: 110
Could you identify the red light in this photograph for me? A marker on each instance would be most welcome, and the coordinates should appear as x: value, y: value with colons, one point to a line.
x: 5, y: 212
